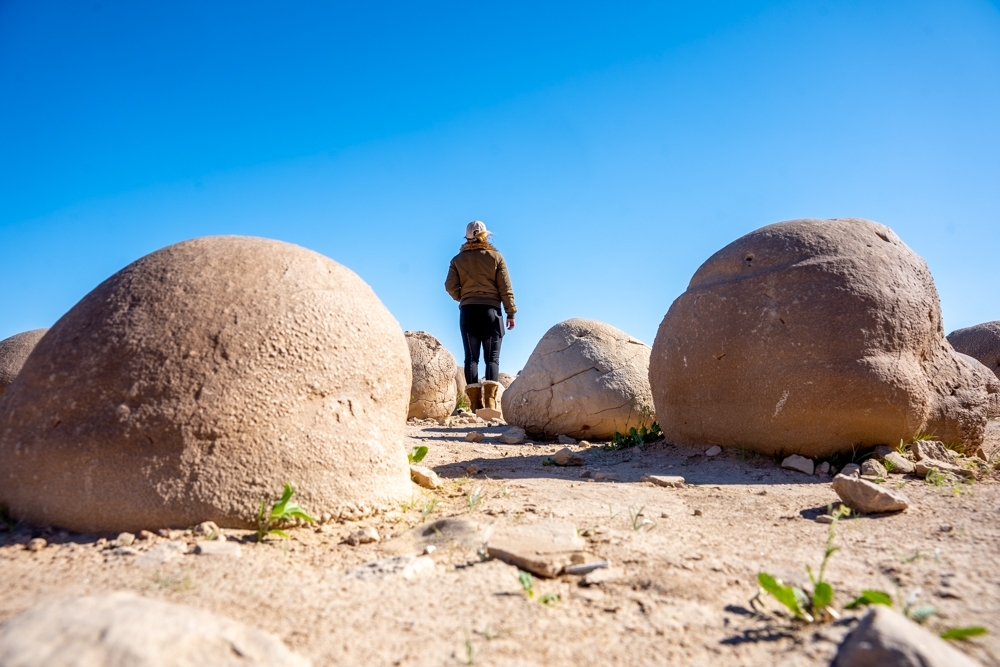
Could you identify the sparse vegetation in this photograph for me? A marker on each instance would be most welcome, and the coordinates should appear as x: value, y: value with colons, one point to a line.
x: 474, y: 498
x: 429, y: 508
x: 635, y: 437
x: 528, y: 585
x: 918, y: 613
x: 639, y: 520
x: 417, y: 454
x: 283, y: 511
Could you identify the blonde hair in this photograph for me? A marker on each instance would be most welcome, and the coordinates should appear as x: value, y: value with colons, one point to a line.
x: 482, y: 237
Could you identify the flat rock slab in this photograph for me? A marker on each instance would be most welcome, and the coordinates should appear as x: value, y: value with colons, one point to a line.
x: 425, y: 477
x: 674, y: 481
x: 924, y: 466
x: 162, y: 553
x: 886, y: 638
x: 406, y: 566
x: 565, y: 457
x: 218, y: 548
x: 800, y: 463
x: 488, y: 414
x: 868, y: 497
x: 125, y: 629
x: 543, y: 548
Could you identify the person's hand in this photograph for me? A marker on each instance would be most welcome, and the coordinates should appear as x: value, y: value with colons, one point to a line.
x: 510, y: 323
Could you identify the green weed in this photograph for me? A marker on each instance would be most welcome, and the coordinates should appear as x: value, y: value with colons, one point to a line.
x: 919, y: 437
x: 964, y: 632
x: 429, y: 508
x: 528, y: 586
x: 280, y: 512
x: 417, y: 454
x: 635, y: 437
x: 462, y: 402
x: 639, y: 520
x: 474, y: 498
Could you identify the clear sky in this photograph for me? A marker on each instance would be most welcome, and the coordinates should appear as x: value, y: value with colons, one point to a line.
x: 612, y: 147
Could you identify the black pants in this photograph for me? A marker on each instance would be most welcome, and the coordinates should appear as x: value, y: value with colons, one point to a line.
x: 481, y: 326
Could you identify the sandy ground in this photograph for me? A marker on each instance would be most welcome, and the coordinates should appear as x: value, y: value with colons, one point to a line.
x: 684, y: 585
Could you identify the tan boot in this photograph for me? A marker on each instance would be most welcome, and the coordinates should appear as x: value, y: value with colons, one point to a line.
x: 490, y: 410
x: 475, y: 394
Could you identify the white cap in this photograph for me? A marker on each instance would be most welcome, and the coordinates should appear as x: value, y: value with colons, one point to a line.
x: 474, y: 228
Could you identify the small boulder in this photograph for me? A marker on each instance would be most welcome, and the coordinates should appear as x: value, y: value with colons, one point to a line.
x: 981, y: 342
x: 926, y: 465
x: 565, y: 457
x: 885, y: 637
x: 565, y: 440
x: 474, y: 436
x: 714, y: 450
x: 851, y: 470
x: 900, y: 464
x: 514, y: 435
x: 867, y: 497
x: 36, y: 544
x: 125, y: 629
x: 930, y: 449
x: 14, y: 352
x: 425, y: 477
x: 433, y: 391
x: 872, y: 468
x: 800, y: 463
x: 823, y: 468
x: 585, y: 379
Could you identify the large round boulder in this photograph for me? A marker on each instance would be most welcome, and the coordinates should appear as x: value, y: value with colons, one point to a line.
x: 989, y: 380
x: 812, y: 337
x: 981, y: 342
x: 433, y: 394
x: 14, y: 352
x: 125, y: 629
x: 585, y: 379
x: 196, y: 381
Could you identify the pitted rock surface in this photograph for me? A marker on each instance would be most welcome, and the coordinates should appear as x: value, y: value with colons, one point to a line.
x: 585, y: 379
x: 125, y: 629
x: 434, y: 390
x: 810, y: 337
x: 200, y: 379
x: 14, y: 352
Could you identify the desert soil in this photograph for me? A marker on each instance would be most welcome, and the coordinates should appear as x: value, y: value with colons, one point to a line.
x: 683, y: 587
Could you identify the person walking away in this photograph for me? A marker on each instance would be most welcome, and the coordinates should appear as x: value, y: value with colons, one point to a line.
x: 478, y: 280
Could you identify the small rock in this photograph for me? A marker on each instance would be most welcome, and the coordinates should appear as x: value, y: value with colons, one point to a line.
x: 218, y: 548
x: 125, y: 551
x: 872, y: 468
x: 146, y: 535
x: 823, y: 468
x: 697, y: 512
x: 515, y: 435
x: 162, y: 553
x: 170, y: 534
x: 584, y: 443
x: 824, y: 518
x: 600, y: 476
x: 406, y: 566
x: 864, y: 496
x: 800, y: 463
x: 564, y: 457
x: 900, y: 464
x: 851, y: 470
x: 664, y: 480
x: 474, y: 436
x: 566, y: 440
x: 924, y: 466
x: 36, y: 544
x: 586, y: 473
x: 208, y: 529
x: 489, y: 414
x: 602, y: 576
x: 425, y: 477
x: 366, y: 535
x: 714, y: 450
x: 471, y: 470
x: 125, y: 539
x: 543, y: 548
x: 586, y: 568
x: 882, y: 451
x: 886, y: 637
x: 930, y: 449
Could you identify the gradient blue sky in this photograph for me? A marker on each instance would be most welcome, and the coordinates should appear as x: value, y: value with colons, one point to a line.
x: 612, y: 147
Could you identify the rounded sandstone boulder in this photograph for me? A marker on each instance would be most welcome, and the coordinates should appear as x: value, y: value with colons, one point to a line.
x: 812, y: 337
x: 506, y: 379
x: 981, y: 342
x: 196, y: 381
x: 584, y: 379
x: 434, y: 391
x: 125, y: 629
x: 14, y: 352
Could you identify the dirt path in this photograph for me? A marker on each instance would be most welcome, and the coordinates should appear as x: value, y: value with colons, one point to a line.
x: 681, y: 595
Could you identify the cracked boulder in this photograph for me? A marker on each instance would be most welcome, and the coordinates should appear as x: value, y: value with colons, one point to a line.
x: 197, y: 381
x: 812, y: 337
x: 434, y: 390
x: 584, y: 379
x: 14, y: 352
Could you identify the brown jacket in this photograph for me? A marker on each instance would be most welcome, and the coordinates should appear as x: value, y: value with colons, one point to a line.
x: 478, y: 275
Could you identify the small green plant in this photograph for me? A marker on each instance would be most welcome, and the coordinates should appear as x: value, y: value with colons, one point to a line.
x: 903, y: 448
x: 639, y: 520
x: 889, y: 465
x: 417, y: 454
x: 462, y: 401
x: 280, y: 512
x: 470, y: 653
x: 635, y: 437
x: 818, y: 605
x: 964, y: 632
x: 474, y: 498
x: 429, y: 508
x: 936, y: 477
x: 549, y: 598
x: 921, y: 437
x: 528, y: 586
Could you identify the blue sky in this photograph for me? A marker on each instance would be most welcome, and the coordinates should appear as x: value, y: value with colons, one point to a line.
x: 612, y: 147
